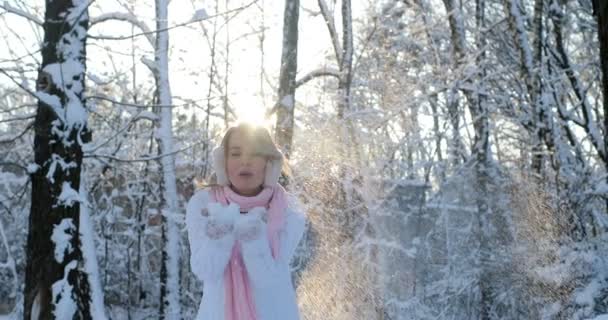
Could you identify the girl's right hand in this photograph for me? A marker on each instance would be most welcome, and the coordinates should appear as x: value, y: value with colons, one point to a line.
x: 216, y: 230
x: 221, y: 219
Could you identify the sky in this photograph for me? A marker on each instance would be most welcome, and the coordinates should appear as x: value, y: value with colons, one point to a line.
x: 190, y: 54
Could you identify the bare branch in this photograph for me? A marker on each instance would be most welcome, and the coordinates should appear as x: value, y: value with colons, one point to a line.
x: 127, y: 17
x: 331, y: 26
x: 26, y: 117
x: 22, y: 13
x: 182, y: 24
x: 143, y: 159
x: 9, y: 140
x: 316, y: 74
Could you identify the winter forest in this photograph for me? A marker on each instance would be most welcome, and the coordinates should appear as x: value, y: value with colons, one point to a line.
x: 451, y: 156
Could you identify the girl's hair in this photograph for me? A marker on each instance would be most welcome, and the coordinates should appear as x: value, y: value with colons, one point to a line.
x: 262, y: 143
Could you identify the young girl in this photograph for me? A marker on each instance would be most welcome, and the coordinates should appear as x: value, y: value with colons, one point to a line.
x: 243, y: 232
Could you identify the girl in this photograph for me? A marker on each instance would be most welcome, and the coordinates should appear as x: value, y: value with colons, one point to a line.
x: 243, y: 231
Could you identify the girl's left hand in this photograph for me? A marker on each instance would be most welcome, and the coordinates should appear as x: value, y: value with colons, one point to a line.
x: 249, y: 226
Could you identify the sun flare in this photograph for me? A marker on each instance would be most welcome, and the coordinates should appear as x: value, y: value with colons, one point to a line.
x: 254, y: 114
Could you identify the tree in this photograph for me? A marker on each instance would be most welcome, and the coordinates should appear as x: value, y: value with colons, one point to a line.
x: 600, y: 9
x: 55, y: 285
x: 287, y: 77
x: 169, y: 285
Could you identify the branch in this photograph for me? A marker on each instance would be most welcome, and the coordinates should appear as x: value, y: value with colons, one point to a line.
x: 13, y: 164
x: 143, y: 159
x: 331, y: 26
x: 25, y: 117
x: 9, y: 140
x: 182, y: 24
x: 20, y: 85
x: 127, y: 17
x: 142, y: 106
x: 316, y: 74
x: 21, y: 13
x: 142, y: 114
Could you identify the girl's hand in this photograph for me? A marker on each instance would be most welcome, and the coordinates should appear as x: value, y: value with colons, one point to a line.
x: 249, y: 226
x: 216, y: 230
x: 221, y: 219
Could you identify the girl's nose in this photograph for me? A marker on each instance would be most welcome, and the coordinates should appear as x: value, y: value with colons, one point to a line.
x: 246, y: 158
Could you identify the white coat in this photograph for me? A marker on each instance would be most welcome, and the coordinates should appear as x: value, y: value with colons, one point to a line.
x: 270, y: 279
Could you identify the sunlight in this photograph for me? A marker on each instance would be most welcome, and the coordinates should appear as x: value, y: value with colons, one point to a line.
x: 253, y: 113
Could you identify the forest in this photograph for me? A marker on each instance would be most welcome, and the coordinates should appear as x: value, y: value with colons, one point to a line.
x: 450, y: 156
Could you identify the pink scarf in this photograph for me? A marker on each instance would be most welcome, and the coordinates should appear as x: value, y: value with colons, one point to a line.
x: 239, y: 301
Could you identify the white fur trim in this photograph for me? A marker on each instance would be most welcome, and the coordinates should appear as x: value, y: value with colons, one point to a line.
x: 219, y: 166
x: 273, y: 171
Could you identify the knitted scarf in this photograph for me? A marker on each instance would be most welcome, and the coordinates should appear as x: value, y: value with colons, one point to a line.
x: 239, y: 303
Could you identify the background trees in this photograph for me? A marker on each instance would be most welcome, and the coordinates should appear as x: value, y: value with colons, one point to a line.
x: 451, y: 155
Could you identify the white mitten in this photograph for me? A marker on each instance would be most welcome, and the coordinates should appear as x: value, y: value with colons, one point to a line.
x: 221, y: 219
x: 249, y: 226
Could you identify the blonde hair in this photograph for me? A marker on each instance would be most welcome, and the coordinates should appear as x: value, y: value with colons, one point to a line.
x: 261, y: 141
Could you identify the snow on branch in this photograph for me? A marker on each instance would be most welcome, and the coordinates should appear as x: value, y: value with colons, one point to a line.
x: 316, y: 74
x: 22, y: 13
x: 200, y: 15
x: 127, y: 17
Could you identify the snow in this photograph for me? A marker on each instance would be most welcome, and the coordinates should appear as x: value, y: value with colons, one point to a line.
x: 521, y: 33
x: 66, y: 76
x: 62, y: 74
x: 61, y: 236
x: 52, y: 100
x: 90, y: 258
x: 65, y: 307
x: 32, y: 168
x: 70, y: 44
x: 587, y: 295
x: 200, y: 14
x: 57, y: 160
x: 68, y: 195
x: 148, y: 115
x: 600, y: 317
x: 96, y: 79
x: 287, y: 101
x: 78, y: 12
x: 76, y: 114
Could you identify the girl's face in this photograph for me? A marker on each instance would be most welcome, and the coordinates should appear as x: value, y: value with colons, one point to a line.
x: 246, y: 168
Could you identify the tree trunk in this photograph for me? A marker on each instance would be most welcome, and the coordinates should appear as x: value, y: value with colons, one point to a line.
x: 600, y: 9
x: 169, y: 286
x: 482, y: 155
x: 480, y: 150
x: 536, y: 122
x: 345, y: 126
x: 287, y: 77
x: 56, y: 286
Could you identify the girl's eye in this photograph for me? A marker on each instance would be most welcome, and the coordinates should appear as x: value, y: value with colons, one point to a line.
x: 253, y: 155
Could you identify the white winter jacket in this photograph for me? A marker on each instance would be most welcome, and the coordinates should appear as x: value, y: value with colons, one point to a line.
x: 273, y: 291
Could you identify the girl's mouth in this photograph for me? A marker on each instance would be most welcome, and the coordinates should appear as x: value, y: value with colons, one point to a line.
x: 245, y: 174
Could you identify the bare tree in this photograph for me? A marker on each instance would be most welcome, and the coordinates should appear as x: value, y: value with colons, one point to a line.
x: 287, y: 77
x: 56, y: 287
x: 600, y: 9
x: 169, y: 285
